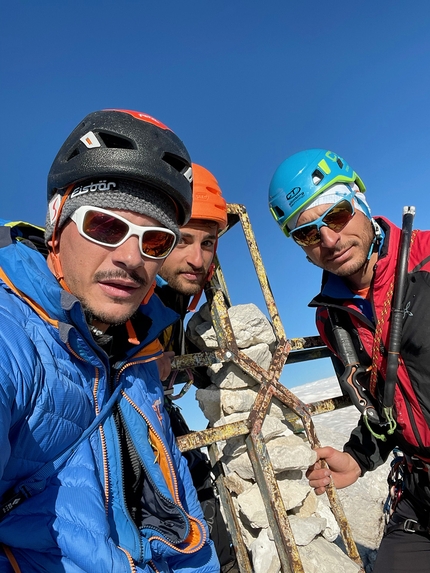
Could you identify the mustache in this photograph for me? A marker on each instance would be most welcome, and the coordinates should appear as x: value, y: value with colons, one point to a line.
x: 191, y: 269
x: 119, y: 274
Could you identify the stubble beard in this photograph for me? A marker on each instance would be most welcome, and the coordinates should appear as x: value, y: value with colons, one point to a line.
x: 98, y: 315
x: 179, y: 283
x: 94, y: 315
x: 360, y: 260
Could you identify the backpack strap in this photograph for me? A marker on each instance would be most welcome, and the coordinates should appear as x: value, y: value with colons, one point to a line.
x: 37, y: 482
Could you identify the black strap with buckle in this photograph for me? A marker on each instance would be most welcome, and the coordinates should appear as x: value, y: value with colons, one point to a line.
x: 408, y: 525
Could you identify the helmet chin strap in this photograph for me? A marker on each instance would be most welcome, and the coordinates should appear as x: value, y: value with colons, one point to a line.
x: 376, y: 239
x: 54, y: 256
x: 195, y: 300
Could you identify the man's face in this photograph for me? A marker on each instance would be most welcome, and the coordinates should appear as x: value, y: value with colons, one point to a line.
x: 342, y: 253
x: 186, y: 268
x: 110, y: 282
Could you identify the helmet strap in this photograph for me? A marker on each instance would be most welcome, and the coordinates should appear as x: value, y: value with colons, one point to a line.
x: 149, y: 293
x: 54, y: 256
x: 374, y: 245
x: 195, y: 300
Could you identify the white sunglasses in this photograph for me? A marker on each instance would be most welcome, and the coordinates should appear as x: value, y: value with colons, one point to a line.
x: 111, y: 230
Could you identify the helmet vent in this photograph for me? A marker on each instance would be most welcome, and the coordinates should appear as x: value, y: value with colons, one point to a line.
x: 74, y: 153
x: 174, y: 161
x: 317, y: 177
x: 339, y: 162
x: 280, y: 213
x: 114, y: 141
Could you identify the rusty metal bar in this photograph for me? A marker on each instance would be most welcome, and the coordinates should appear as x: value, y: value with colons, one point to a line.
x: 211, y: 435
x: 306, y: 342
x: 221, y: 323
x: 301, y: 349
x: 259, y: 269
x: 232, y: 520
x: 276, y: 512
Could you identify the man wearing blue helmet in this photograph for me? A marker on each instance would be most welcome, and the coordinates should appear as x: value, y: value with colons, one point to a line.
x: 318, y: 200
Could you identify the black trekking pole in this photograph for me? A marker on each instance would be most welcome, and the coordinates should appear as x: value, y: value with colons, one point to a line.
x: 397, y: 314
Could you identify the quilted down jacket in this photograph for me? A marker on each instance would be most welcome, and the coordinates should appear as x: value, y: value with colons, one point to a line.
x: 54, y: 380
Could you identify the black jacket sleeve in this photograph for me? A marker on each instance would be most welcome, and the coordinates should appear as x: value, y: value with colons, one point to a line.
x: 367, y: 450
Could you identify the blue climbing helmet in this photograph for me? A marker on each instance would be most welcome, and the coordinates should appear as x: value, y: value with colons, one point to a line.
x: 302, y: 177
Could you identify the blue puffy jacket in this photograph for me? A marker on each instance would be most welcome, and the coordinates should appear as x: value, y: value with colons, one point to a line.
x: 54, y: 380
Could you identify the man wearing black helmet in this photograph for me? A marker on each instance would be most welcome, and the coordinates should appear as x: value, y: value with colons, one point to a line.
x: 319, y: 201
x: 90, y: 476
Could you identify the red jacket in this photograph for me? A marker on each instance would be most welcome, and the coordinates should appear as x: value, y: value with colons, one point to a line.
x: 412, y: 395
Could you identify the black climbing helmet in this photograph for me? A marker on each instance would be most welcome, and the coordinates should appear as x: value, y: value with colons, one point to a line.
x: 130, y: 145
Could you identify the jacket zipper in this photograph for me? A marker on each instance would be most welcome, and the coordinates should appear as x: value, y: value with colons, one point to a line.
x: 101, y: 431
x: 172, y: 475
x: 147, y: 473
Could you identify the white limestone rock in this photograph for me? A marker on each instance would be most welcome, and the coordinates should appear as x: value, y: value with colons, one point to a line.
x: 264, y: 555
x: 237, y: 400
x: 250, y: 325
x: 231, y: 377
x: 259, y: 353
x: 235, y: 484
x: 209, y: 402
x: 241, y: 465
x: 293, y: 492
x: 309, y: 506
x: 332, y: 529
x: 204, y: 336
x: 290, y: 452
x: 305, y: 529
x: 272, y: 428
x: 320, y: 556
x: 253, y: 508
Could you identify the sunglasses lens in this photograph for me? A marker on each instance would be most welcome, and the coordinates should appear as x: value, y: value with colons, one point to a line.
x: 338, y: 216
x: 104, y: 228
x: 306, y: 236
x: 335, y: 219
x: 157, y: 244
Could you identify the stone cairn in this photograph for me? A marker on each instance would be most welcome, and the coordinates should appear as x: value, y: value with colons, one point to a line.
x: 229, y: 399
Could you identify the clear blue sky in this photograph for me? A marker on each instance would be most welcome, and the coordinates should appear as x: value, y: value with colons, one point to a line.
x: 244, y: 84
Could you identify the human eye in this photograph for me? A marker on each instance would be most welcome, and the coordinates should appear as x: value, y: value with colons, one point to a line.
x: 208, y: 244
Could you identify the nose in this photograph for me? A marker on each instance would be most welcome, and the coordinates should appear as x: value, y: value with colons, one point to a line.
x: 128, y: 254
x: 195, y: 255
x: 329, y: 238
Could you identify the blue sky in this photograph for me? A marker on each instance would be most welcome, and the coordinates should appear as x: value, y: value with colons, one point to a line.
x: 244, y: 84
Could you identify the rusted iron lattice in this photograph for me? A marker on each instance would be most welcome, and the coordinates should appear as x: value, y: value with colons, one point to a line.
x: 293, y: 350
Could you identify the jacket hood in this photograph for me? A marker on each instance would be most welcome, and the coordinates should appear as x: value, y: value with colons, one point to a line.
x: 24, y: 269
